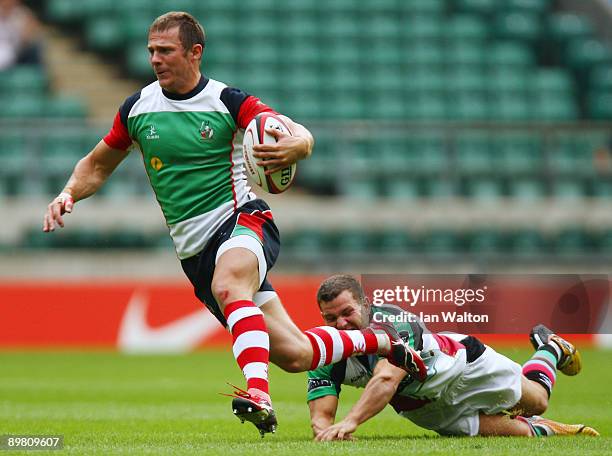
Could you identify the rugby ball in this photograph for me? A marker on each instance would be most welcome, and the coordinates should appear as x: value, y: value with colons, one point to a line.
x: 255, y: 133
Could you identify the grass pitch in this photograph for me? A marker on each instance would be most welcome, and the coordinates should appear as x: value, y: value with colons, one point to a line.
x: 106, y: 403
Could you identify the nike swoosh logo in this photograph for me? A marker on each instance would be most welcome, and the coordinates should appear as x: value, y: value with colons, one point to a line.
x: 182, y: 335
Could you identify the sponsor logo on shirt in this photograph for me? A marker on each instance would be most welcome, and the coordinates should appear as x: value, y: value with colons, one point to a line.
x: 152, y: 133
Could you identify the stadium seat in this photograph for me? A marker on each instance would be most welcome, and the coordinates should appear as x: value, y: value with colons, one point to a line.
x: 526, y: 189
x: 509, y: 107
x: 517, y: 153
x: 352, y: 242
x: 65, y: 106
x: 463, y: 28
x: 564, y: 27
x: 507, y: 55
x: 473, y: 153
x: 528, y: 243
x: 440, y: 188
x: 441, y: 242
x: 601, y: 79
x: 583, y: 54
x: 394, y: 242
x: 137, y: 59
x: 23, y: 80
x: 483, y: 189
x: 568, y: 189
x: 514, y: 26
x: 600, y: 105
x: 104, y: 34
x: 485, y: 242
x: 467, y: 107
x: 401, y: 190
x: 572, y: 241
x: 539, y: 7
x: 484, y: 7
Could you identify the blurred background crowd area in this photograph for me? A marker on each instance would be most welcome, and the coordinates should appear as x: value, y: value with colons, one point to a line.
x: 451, y: 135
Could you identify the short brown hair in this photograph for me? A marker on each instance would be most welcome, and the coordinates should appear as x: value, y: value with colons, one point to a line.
x: 331, y: 287
x: 190, y: 30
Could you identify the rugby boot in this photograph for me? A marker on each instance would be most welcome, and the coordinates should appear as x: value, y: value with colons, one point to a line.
x: 551, y: 427
x: 401, y: 354
x: 570, y: 361
x: 254, y: 408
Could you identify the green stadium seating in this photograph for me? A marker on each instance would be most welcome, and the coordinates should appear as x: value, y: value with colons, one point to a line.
x: 526, y: 189
x: 583, y: 54
x: 483, y: 189
x: 23, y: 80
x: 539, y: 7
x: 505, y: 55
x: 565, y: 27
x: 528, y: 243
x: 600, y: 105
x: 137, y: 59
x: 568, y: 189
x: 462, y: 28
x: 63, y: 107
x: 484, y: 7
x: 394, y: 242
x: 473, y: 153
x: 522, y: 27
x: 601, y: 78
x: 440, y: 242
x: 485, y: 242
x: 104, y: 34
x: 517, y: 153
x: 401, y: 190
x: 572, y: 241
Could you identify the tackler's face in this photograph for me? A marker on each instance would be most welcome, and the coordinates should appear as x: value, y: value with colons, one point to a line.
x: 344, y: 312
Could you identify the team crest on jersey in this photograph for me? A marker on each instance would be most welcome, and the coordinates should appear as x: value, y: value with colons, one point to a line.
x: 206, y: 130
x: 152, y: 133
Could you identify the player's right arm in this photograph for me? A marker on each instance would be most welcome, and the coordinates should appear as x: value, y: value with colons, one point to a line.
x: 91, y: 171
x: 88, y: 176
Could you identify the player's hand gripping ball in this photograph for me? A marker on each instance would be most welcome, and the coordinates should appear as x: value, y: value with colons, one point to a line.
x: 255, y: 133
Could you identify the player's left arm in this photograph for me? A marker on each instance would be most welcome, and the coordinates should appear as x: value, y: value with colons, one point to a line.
x: 322, y: 412
x: 289, y: 148
x: 377, y: 394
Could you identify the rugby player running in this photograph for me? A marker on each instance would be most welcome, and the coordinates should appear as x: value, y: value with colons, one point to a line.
x: 185, y: 126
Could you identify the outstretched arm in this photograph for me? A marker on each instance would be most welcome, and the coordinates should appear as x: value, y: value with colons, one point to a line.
x: 88, y: 176
x: 377, y: 394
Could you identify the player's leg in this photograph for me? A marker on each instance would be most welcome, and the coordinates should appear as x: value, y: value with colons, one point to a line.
x: 297, y: 351
x: 502, y: 425
x: 234, y: 282
x: 534, y: 399
x: 540, y: 371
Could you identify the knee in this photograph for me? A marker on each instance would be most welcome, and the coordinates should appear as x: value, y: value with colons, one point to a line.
x: 293, y: 366
x: 540, y: 404
x: 297, y: 359
x: 232, y: 282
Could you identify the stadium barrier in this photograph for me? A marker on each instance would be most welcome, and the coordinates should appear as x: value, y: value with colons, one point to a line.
x: 140, y: 316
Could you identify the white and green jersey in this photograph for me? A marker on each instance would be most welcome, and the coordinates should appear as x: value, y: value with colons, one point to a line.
x: 444, y: 356
x: 192, y: 151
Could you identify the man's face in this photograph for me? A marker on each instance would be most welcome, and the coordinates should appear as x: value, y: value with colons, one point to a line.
x: 175, y: 69
x: 344, y: 312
